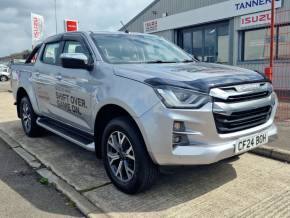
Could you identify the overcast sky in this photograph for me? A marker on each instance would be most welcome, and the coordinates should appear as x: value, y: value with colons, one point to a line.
x: 15, y: 27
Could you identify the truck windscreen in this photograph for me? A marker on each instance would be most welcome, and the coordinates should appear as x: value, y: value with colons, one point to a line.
x: 126, y: 49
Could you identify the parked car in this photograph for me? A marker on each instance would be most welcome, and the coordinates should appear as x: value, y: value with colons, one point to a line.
x: 4, y: 74
x: 141, y: 102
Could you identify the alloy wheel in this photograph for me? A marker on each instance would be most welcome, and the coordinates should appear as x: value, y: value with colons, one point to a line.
x: 121, y: 157
x: 26, y: 116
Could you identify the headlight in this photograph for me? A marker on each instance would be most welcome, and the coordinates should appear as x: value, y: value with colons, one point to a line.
x: 174, y: 97
x: 271, y: 88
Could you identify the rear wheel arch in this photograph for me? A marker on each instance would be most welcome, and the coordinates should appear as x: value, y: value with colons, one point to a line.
x: 28, y: 118
x: 21, y: 92
x: 31, y: 95
x: 104, y: 116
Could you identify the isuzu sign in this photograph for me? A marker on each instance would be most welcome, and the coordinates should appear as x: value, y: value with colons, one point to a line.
x: 37, y: 27
x: 71, y: 25
x: 256, y: 19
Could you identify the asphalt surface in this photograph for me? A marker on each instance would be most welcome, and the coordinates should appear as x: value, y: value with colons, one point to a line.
x: 4, y: 86
x: 23, y: 196
x: 283, y: 141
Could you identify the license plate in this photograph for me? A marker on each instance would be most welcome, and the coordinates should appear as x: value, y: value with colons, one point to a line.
x: 250, y: 142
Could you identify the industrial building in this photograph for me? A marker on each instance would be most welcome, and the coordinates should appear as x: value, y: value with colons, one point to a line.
x: 222, y: 31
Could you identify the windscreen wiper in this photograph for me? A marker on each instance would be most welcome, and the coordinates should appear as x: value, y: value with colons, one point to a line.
x: 188, y: 61
x: 159, y: 62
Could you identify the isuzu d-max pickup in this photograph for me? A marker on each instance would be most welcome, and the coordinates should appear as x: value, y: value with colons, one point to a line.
x: 141, y: 102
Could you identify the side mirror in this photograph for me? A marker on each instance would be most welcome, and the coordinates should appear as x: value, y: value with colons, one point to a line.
x: 75, y: 61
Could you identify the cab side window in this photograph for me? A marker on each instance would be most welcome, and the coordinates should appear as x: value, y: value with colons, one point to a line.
x: 75, y: 47
x: 51, y: 53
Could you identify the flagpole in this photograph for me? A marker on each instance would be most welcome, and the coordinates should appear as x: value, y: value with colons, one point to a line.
x: 55, y: 16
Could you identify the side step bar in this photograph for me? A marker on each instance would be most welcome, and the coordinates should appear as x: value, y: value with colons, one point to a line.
x: 75, y: 136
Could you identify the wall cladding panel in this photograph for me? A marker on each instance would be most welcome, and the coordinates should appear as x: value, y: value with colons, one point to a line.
x: 169, y: 6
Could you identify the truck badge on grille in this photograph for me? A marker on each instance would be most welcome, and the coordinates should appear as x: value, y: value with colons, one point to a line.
x: 247, y: 87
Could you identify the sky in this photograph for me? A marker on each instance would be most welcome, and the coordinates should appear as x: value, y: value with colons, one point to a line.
x: 94, y: 15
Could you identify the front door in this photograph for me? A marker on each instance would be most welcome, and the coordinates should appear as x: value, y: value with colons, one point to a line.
x: 73, y: 90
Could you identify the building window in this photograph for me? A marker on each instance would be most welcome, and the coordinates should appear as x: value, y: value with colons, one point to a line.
x: 223, y: 44
x: 197, y: 44
x: 187, y: 42
x: 284, y: 42
x: 256, y: 44
x: 208, y: 43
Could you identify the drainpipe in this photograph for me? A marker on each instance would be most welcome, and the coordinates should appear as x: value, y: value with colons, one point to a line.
x: 269, y: 70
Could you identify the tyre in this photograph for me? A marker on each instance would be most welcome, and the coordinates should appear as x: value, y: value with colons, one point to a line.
x: 3, y: 78
x: 28, y: 118
x: 125, y: 157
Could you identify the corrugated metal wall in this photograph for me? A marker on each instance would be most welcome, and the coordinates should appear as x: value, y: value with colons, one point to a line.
x: 169, y: 6
x: 168, y: 34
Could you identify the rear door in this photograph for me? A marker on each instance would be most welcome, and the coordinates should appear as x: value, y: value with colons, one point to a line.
x: 46, y: 73
x: 73, y: 89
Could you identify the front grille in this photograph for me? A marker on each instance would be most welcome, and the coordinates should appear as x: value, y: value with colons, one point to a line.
x: 244, y: 97
x: 242, y: 120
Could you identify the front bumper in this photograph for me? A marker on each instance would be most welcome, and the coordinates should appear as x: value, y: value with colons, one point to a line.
x: 205, y: 145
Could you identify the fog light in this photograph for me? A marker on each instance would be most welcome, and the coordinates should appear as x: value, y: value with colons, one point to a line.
x: 179, y: 136
x: 176, y: 139
x: 177, y: 126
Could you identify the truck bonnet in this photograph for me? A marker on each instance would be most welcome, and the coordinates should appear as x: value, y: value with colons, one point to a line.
x: 198, y: 76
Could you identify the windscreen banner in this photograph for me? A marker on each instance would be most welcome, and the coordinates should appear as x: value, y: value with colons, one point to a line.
x: 37, y: 24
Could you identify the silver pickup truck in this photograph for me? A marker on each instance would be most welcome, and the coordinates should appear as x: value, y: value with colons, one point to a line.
x: 4, y: 74
x: 141, y: 102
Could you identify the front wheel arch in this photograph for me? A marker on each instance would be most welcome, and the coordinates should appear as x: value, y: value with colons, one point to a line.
x: 141, y: 172
x: 104, y: 116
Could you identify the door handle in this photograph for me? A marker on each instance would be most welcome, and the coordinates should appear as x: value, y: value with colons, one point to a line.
x: 37, y: 74
x: 58, y: 77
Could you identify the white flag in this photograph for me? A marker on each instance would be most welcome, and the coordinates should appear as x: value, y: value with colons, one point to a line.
x: 37, y: 24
